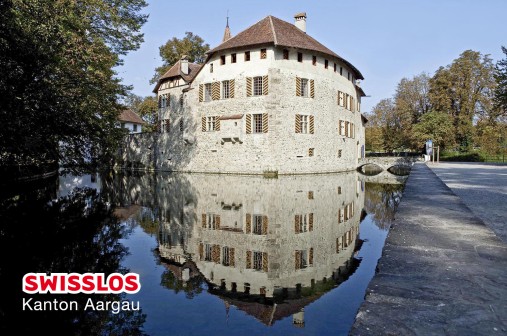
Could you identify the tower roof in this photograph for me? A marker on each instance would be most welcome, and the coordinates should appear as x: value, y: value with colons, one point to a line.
x: 272, y: 30
x: 227, y: 32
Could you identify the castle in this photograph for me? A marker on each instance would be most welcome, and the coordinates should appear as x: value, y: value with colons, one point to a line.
x: 269, y: 99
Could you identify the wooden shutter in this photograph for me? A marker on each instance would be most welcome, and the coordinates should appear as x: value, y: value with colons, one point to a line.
x: 310, y: 222
x: 203, y: 217
x: 203, y: 124
x: 201, y: 251
x: 265, y: 86
x: 296, y: 223
x: 298, y: 87
x: 231, y: 88
x: 339, y: 216
x: 312, y: 88
x: 264, y: 225
x: 248, y: 123
x: 264, y: 123
x: 347, y: 129
x: 312, y: 127
x: 215, y: 90
x: 310, y: 257
x: 248, y: 259
x: 231, y: 257
x: 215, y: 254
x: 265, y: 261
x: 310, y: 195
x: 201, y: 93
x: 352, y: 105
x: 217, y: 124
x: 297, y: 259
x: 352, y: 131
x: 338, y: 98
x: 298, y: 123
x: 249, y: 86
x: 217, y: 221
x: 248, y: 223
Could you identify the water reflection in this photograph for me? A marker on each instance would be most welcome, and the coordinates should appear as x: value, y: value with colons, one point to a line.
x: 269, y: 247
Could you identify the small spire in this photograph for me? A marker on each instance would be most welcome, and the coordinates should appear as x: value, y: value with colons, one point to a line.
x: 227, y: 32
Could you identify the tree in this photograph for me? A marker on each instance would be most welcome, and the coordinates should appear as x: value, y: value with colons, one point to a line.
x: 191, y: 45
x: 146, y: 108
x: 59, y: 90
x: 501, y: 89
x: 437, y: 126
x: 390, y: 123
x: 464, y: 89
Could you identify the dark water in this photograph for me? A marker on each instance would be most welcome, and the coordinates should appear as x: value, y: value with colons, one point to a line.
x: 216, y: 254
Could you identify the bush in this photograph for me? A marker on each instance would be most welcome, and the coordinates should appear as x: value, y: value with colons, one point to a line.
x: 465, y: 157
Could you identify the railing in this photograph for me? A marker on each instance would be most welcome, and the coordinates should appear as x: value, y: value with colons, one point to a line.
x: 393, y: 154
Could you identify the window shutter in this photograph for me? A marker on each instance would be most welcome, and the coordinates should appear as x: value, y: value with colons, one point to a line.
x: 347, y: 129
x: 264, y: 225
x: 312, y: 127
x: 310, y: 257
x: 248, y: 223
x: 203, y: 124
x: 248, y: 259
x: 352, y: 131
x: 217, y: 221
x: 231, y: 257
x: 201, y: 251
x: 265, y: 86
x: 248, y: 124
x: 215, y: 91
x: 231, y: 88
x: 217, y: 124
x: 338, y: 98
x: 201, y: 93
x: 203, y: 220
x: 249, y: 86
x: 298, y: 259
x: 265, y: 261
x: 296, y: 223
x: 298, y: 123
x: 312, y: 88
x: 352, y: 105
x: 215, y: 254
x: 264, y: 123
x: 310, y: 222
x: 298, y: 87
x: 339, y: 216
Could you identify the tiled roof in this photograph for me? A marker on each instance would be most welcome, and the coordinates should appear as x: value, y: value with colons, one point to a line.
x: 175, y: 71
x: 130, y: 116
x: 272, y: 30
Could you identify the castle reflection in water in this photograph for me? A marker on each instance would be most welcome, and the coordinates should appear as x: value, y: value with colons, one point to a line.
x: 269, y: 246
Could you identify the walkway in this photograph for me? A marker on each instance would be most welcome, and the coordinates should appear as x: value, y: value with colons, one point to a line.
x: 442, y: 271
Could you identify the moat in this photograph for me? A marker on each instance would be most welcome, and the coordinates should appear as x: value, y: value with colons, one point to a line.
x: 215, y: 253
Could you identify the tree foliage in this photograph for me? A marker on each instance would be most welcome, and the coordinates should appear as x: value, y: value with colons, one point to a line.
x: 501, y: 89
x: 59, y: 90
x: 436, y: 126
x: 146, y: 108
x: 191, y: 45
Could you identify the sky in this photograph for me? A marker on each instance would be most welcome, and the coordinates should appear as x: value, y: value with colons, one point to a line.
x: 386, y: 40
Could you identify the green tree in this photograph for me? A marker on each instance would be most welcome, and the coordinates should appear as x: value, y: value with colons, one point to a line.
x: 191, y: 45
x: 59, y: 90
x: 464, y: 89
x: 146, y: 108
x: 385, y: 115
x: 437, y: 126
x: 501, y: 89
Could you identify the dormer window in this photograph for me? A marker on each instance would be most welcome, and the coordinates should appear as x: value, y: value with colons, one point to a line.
x: 233, y: 58
x: 264, y: 54
x: 222, y: 60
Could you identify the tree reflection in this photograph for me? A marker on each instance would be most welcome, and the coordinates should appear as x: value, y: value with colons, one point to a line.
x: 381, y: 201
x: 77, y: 233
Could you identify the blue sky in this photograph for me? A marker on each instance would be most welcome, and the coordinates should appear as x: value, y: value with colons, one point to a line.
x: 385, y: 39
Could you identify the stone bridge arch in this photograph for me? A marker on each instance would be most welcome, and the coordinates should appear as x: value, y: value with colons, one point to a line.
x: 386, y: 162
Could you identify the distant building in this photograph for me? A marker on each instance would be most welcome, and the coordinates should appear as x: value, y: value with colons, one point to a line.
x: 130, y: 120
x: 270, y: 98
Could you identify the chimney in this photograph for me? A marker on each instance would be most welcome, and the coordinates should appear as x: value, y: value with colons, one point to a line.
x: 300, y: 21
x: 184, y: 64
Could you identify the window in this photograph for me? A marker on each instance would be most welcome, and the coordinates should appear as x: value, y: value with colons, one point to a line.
x: 257, y: 86
x: 257, y: 123
x: 304, y: 87
x: 134, y: 128
x: 167, y: 125
x: 339, y: 155
x: 257, y: 224
x: 257, y: 260
x: 301, y: 259
x: 314, y: 60
x: 339, y: 188
x: 264, y: 54
x: 310, y: 151
x: 304, y: 124
x: 301, y: 223
x: 247, y: 56
x: 285, y: 54
x: 210, y: 123
x: 326, y: 64
x: 341, y: 71
x: 225, y: 89
x: 335, y: 67
x: 225, y: 256
x: 207, y: 92
x: 341, y: 127
x: 122, y: 125
x: 210, y: 221
x: 181, y: 100
x: 222, y: 60
x: 211, y: 68
x: 348, y: 75
x: 300, y: 57
x: 347, y: 129
x: 207, y: 250
x: 233, y: 58
x: 181, y: 125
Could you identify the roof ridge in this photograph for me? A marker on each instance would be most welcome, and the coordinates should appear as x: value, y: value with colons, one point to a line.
x: 273, y: 29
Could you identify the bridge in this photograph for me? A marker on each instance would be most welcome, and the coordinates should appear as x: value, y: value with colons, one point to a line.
x: 386, y: 162
x: 383, y: 177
